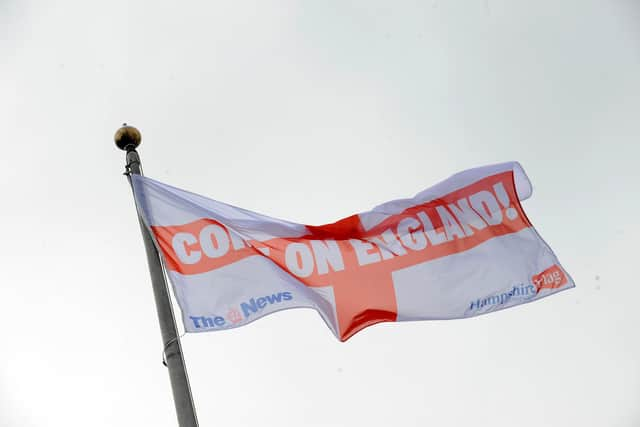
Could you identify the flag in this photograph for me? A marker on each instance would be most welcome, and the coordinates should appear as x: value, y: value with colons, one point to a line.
x: 461, y: 248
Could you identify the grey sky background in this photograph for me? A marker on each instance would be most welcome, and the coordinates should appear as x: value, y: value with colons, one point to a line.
x: 312, y: 111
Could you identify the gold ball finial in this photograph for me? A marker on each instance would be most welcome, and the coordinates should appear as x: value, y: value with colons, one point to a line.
x: 127, y: 138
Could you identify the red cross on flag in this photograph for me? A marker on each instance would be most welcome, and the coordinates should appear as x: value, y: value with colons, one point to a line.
x: 458, y: 249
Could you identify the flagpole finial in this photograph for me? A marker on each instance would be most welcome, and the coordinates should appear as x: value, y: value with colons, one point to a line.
x: 127, y: 138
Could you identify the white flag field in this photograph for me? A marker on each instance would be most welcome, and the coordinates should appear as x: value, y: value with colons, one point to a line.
x: 461, y: 248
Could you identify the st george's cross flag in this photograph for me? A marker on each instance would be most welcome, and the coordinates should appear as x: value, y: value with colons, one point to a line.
x: 461, y: 248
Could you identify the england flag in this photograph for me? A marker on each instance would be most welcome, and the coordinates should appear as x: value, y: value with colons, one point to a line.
x: 461, y: 248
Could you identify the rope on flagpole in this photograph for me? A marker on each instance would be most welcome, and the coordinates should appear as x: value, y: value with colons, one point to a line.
x: 166, y: 346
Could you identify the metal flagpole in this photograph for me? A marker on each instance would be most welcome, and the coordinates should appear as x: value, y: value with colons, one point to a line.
x: 128, y: 138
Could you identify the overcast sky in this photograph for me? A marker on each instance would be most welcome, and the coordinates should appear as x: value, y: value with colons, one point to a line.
x: 312, y: 111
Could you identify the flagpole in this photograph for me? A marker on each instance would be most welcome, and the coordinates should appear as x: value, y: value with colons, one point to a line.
x: 127, y: 138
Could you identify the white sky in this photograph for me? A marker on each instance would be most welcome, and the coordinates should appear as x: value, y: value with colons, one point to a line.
x: 312, y: 111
